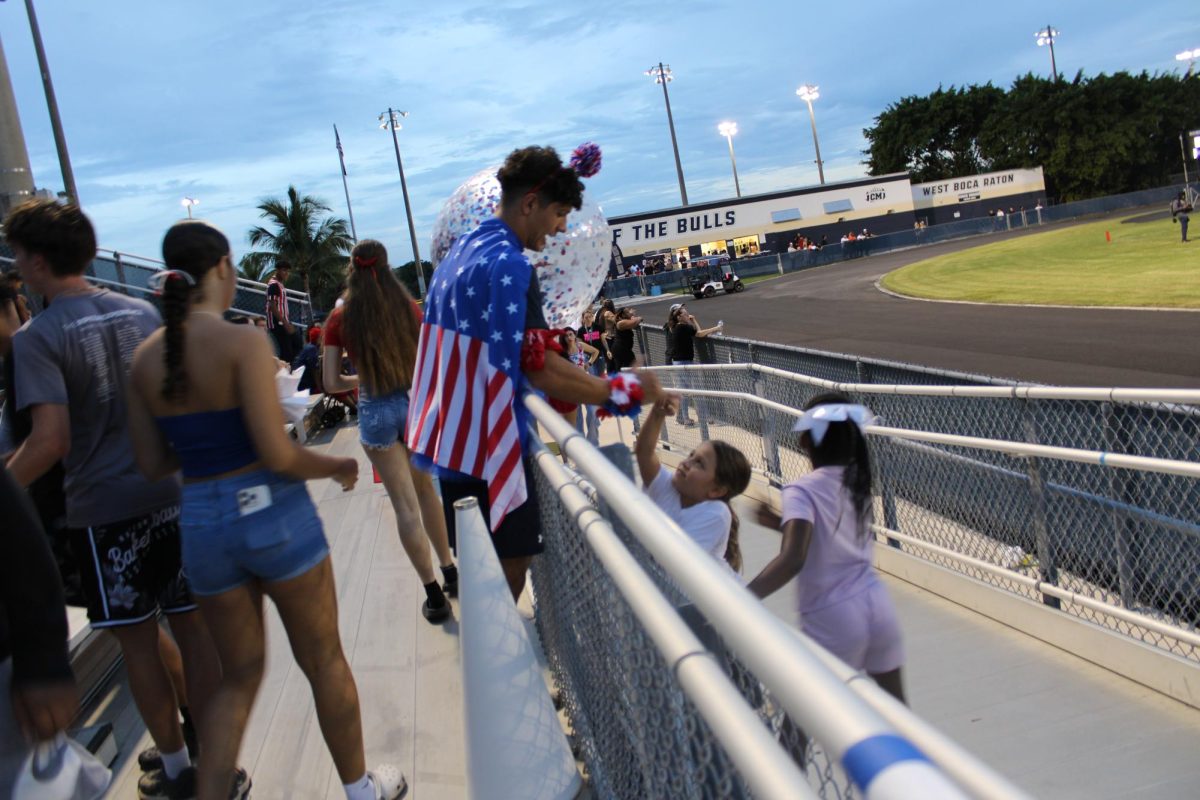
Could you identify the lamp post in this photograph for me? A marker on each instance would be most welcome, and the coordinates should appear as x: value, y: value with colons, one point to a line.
x: 60, y: 139
x: 662, y: 75
x: 808, y: 93
x: 729, y: 130
x: 1189, y: 56
x: 1046, y: 37
x: 391, y: 119
x: 189, y: 203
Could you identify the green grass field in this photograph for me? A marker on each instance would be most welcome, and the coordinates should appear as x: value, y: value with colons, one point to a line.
x: 1145, y: 264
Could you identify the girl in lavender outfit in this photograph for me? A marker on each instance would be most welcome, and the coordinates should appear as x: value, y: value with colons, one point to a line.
x: 827, y: 541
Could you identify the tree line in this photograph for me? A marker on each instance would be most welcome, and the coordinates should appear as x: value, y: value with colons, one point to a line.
x: 1093, y: 136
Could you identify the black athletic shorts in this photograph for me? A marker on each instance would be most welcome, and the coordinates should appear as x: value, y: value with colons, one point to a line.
x: 519, y: 535
x: 132, y: 569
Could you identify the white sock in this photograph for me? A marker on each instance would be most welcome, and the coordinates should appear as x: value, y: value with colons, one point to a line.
x: 175, y: 763
x: 361, y: 789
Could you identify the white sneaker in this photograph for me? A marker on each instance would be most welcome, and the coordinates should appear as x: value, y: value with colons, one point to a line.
x: 389, y: 782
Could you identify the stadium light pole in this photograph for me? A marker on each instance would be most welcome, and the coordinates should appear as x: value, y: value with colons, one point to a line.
x: 391, y: 119
x: 729, y: 130
x: 662, y: 76
x: 1047, y: 37
x: 1189, y: 56
x: 808, y: 93
x: 189, y: 203
x: 60, y: 138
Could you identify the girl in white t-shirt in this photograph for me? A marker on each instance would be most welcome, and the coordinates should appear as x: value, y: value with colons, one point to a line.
x: 697, y: 494
x: 827, y: 541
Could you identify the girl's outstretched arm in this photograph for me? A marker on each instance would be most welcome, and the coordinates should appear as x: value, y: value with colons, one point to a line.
x: 647, y: 440
x: 793, y: 551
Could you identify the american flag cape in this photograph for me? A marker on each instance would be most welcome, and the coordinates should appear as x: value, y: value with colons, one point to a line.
x: 465, y: 416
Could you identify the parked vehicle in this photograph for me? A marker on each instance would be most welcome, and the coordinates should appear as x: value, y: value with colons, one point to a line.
x: 717, y: 280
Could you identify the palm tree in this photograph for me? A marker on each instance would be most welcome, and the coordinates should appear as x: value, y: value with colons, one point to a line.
x: 255, y: 266
x: 304, y: 233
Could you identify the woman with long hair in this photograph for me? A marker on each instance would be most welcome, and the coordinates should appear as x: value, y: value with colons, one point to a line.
x: 606, y: 325
x: 203, y: 401
x: 378, y: 327
x: 624, y: 325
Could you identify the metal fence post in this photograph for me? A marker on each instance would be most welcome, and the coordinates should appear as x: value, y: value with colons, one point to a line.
x: 1122, y: 489
x: 1037, y: 492
x: 862, y: 370
x: 120, y: 269
x: 770, y: 436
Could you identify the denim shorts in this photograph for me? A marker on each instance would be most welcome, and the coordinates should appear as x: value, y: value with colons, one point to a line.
x: 257, y: 525
x: 382, y: 420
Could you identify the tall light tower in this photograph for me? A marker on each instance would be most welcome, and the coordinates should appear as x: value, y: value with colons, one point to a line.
x: 729, y: 130
x: 16, y: 179
x: 809, y: 92
x: 1046, y: 37
x: 189, y: 203
x: 60, y: 138
x: 1189, y: 56
x: 391, y: 119
x: 662, y: 75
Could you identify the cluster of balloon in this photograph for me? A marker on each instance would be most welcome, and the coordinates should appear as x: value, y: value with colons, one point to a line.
x: 571, y: 267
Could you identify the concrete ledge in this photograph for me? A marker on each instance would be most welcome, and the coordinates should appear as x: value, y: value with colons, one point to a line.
x: 1152, y: 667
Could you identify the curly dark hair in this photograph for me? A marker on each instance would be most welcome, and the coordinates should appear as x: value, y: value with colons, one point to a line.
x: 61, y: 234
x: 539, y: 169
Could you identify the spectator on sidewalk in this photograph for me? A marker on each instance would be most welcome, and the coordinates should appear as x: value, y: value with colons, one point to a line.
x: 202, y: 400
x: 72, y: 361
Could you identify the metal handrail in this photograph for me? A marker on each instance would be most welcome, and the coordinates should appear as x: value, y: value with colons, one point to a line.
x: 821, y: 704
x: 1099, y: 458
x: 766, y: 768
x: 1016, y: 391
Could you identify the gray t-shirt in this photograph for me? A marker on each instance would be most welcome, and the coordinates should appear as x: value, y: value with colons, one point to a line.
x: 77, y: 353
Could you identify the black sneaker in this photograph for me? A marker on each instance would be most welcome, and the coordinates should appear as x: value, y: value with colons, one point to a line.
x: 155, y: 785
x: 150, y: 759
x: 436, y: 615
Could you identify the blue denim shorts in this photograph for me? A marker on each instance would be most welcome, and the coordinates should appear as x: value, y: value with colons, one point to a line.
x: 257, y: 525
x: 382, y: 420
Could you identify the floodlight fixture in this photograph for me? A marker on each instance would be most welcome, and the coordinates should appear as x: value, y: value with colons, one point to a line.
x: 390, y: 119
x: 809, y: 92
x: 662, y: 75
x: 729, y: 130
x: 1046, y: 38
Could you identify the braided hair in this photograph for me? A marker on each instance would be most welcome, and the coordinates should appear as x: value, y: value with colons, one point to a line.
x: 190, y: 249
x: 844, y: 445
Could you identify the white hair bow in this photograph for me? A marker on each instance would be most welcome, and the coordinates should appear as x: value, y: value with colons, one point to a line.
x: 816, y: 420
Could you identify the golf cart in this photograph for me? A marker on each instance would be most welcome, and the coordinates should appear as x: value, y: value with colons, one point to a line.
x: 720, y: 277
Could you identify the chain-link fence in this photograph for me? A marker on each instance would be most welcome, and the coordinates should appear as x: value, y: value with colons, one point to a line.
x: 131, y: 275
x: 637, y: 733
x: 834, y: 252
x: 1125, y: 537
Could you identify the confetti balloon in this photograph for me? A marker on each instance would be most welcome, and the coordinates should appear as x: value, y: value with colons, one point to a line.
x: 571, y: 267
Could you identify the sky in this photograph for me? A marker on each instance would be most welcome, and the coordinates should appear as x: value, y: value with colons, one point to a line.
x: 231, y: 102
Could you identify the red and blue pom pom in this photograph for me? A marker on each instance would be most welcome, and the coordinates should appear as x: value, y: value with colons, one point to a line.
x: 585, y: 159
x: 625, y: 396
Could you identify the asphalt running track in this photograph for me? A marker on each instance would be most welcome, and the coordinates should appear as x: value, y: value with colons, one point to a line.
x: 838, y: 308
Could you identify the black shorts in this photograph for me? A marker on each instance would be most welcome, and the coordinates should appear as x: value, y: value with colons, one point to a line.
x: 133, y: 569
x: 520, y: 534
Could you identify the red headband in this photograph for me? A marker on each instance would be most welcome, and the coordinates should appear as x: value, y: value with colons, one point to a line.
x: 365, y: 263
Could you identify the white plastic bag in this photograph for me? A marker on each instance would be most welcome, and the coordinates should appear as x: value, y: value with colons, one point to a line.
x: 295, y: 404
x: 61, y: 769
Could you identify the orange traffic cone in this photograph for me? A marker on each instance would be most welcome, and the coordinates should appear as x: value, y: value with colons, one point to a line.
x: 1107, y: 237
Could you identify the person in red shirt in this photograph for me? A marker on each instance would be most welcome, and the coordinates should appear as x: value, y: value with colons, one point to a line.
x: 378, y: 327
